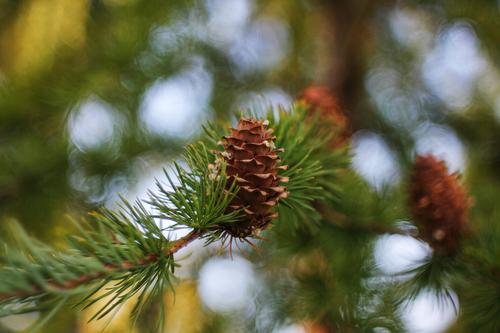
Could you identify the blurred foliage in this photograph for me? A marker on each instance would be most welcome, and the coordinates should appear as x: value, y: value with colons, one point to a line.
x: 381, y: 58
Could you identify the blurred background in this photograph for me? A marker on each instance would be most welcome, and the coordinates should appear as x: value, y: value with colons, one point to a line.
x: 97, y: 96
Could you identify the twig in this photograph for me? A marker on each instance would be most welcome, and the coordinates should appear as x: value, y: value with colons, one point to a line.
x: 341, y: 221
x: 184, y: 241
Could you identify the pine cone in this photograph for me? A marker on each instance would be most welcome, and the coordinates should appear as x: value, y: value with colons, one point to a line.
x: 321, y: 99
x: 252, y: 161
x: 439, y: 204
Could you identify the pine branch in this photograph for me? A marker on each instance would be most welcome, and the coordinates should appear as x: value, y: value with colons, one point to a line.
x: 341, y: 221
x: 110, y: 269
x: 120, y: 254
x: 125, y: 253
x: 184, y: 241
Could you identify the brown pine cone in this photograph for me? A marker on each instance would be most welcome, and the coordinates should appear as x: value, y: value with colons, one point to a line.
x: 439, y: 204
x: 252, y: 161
x: 320, y: 99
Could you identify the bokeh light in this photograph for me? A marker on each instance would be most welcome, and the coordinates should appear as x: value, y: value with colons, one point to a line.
x: 374, y: 160
x: 227, y: 284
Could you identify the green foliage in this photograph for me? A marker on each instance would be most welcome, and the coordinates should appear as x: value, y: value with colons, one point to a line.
x: 434, y: 274
x: 366, y: 51
x: 200, y: 198
x: 480, y: 304
x: 28, y: 271
x: 118, y: 255
x: 125, y: 255
x: 479, y: 288
x: 133, y: 246
x: 314, y: 167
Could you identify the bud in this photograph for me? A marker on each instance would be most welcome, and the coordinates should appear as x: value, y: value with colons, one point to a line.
x: 439, y: 204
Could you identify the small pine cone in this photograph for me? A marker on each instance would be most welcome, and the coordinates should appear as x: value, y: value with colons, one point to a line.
x: 321, y: 99
x: 439, y: 204
x: 252, y: 161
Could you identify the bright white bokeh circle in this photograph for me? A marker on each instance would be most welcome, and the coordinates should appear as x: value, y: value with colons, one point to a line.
x: 226, y: 284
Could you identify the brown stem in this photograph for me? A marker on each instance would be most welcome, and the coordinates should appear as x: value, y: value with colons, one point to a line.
x: 182, y: 242
x: 110, y: 268
x: 339, y: 220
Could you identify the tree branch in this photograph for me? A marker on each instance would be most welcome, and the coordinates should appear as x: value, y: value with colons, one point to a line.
x: 110, y: 268
x: 341, y: 221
